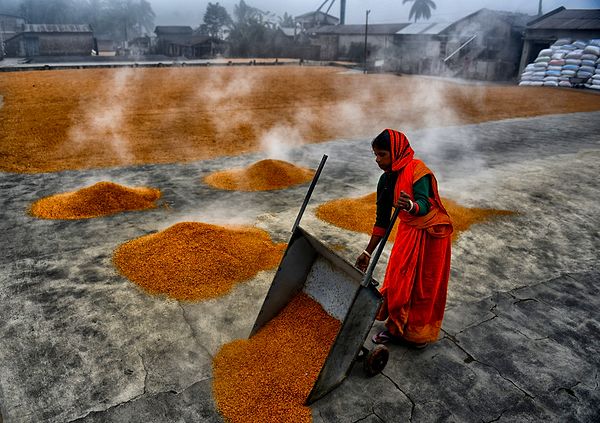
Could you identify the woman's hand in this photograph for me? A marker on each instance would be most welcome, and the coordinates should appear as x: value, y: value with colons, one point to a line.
x: 404, y: 202
x: 362, y: 262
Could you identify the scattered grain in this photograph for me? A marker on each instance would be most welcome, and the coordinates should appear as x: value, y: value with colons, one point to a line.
x: 358, y: 214
x: 264, y: 175
x: 100, y: 199
x: 268, y: 377
x: 194, y: 261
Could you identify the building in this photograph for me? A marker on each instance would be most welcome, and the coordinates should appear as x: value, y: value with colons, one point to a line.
x: 484, y: 45
x: 347, y: 42
x: 140, y: 46
x: 315, y: 19
x: 419, y: 48
x: 106, y: 47
x: 180, y: 41
x: 51, y: 40
x: 560, y: 23
x: 10, y: 25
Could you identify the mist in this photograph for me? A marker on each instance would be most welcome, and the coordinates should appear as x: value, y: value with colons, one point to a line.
x: 191, y: 12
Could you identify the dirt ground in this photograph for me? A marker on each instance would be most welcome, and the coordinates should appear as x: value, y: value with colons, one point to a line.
x: 93, y: 118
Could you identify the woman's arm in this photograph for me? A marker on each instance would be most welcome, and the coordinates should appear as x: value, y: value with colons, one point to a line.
x: 365, y: 257
x: 382, y: 220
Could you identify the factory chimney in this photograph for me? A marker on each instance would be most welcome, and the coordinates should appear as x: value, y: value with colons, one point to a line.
x: 342, y: 12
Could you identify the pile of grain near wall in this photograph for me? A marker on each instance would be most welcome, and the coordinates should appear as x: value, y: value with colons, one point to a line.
x: 264, y: 175
x: 268, y: 377
x: 194, y: 261
x: 101, y: 199
x: 358, y: 214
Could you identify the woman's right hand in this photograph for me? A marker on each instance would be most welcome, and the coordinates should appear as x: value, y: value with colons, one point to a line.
x: 362, y: 262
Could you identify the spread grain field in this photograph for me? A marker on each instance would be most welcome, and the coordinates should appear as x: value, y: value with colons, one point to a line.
x: 94, y: 118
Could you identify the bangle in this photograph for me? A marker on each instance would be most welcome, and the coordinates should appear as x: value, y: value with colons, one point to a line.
x: 366, y: 253
x: 412, y: 206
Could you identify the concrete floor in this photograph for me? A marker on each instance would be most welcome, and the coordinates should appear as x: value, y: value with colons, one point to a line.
x: 521, y: 336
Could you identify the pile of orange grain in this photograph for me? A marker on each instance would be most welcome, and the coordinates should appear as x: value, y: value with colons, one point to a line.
x: 268, y: 377
x: 100, y: 199
x: 57, y: 120
x: 194, y: 261
x: 264, y: 175
x: 358, y: 214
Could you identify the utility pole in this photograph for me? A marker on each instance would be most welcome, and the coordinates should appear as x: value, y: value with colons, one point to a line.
x: 342, y: 12
x: 1, y: 42
x: 366, y: 32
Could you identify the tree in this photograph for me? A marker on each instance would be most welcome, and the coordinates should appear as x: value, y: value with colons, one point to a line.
x: 245, y: 14
x: 127, y: 19
x: 48, y: 11
x: 286, y: 21
x: 215, y: 19
x: 421, y: 9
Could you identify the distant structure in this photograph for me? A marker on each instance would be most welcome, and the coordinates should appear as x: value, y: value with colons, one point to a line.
x: 51, y: 40
x: 180, y: 41
x: 484, y: 45
x: 346, y: 42
x: 316, y: 19
x: 574, y: 24
x: 10, y: 25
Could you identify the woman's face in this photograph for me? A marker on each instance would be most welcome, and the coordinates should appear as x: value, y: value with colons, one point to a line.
x: 383, y: 159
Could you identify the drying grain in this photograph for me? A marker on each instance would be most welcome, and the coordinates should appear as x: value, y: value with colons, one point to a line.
x: 358, y: 214
x: 100, y: 199
x: 264, y: 175
x: 194, y: 261
x: 68, y: 119
x: 268, y: 377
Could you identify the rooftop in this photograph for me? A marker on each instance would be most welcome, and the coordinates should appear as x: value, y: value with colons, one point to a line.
x: 374, y: 29
x: 562, y: 18
x: 57, y: 28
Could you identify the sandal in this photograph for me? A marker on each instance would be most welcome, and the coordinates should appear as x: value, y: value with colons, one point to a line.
x: 383, y: 337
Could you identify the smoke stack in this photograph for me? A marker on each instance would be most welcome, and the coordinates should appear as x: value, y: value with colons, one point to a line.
x: 342, y: 12
x: 540, y: 8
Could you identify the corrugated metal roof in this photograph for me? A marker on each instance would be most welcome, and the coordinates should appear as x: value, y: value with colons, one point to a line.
x: 311, y: 14
x: 374, y: 29
x: 56, y: 28
x: 425, y: 28
x: 568, y: 19
x: 173, y: 29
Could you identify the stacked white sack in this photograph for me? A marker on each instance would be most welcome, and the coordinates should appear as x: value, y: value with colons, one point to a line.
x: 564, y: 60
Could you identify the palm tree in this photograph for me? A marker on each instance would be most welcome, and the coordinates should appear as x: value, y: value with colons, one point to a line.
x: 421, y: 9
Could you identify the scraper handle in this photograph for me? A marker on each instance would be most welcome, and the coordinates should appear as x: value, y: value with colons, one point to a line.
x: 367, y: 280
x: 309, y: 193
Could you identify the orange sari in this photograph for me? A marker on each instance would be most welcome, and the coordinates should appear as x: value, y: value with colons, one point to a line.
x: 416, y: 280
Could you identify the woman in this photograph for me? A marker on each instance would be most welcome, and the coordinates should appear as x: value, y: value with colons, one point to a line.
x: 416, y: 280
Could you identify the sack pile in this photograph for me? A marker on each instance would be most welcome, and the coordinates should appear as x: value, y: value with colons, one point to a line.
x: 564, y: 64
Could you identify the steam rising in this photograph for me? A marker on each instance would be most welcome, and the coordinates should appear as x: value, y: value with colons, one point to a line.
x: 277, y: 141
x: 102, y: 120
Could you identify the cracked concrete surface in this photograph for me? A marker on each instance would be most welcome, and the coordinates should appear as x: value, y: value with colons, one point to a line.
x: 520, y: 338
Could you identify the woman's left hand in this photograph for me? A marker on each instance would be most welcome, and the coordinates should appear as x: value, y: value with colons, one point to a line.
x: 404, y: 202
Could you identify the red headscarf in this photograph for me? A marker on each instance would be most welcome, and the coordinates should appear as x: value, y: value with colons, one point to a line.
x: 402, y: 152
